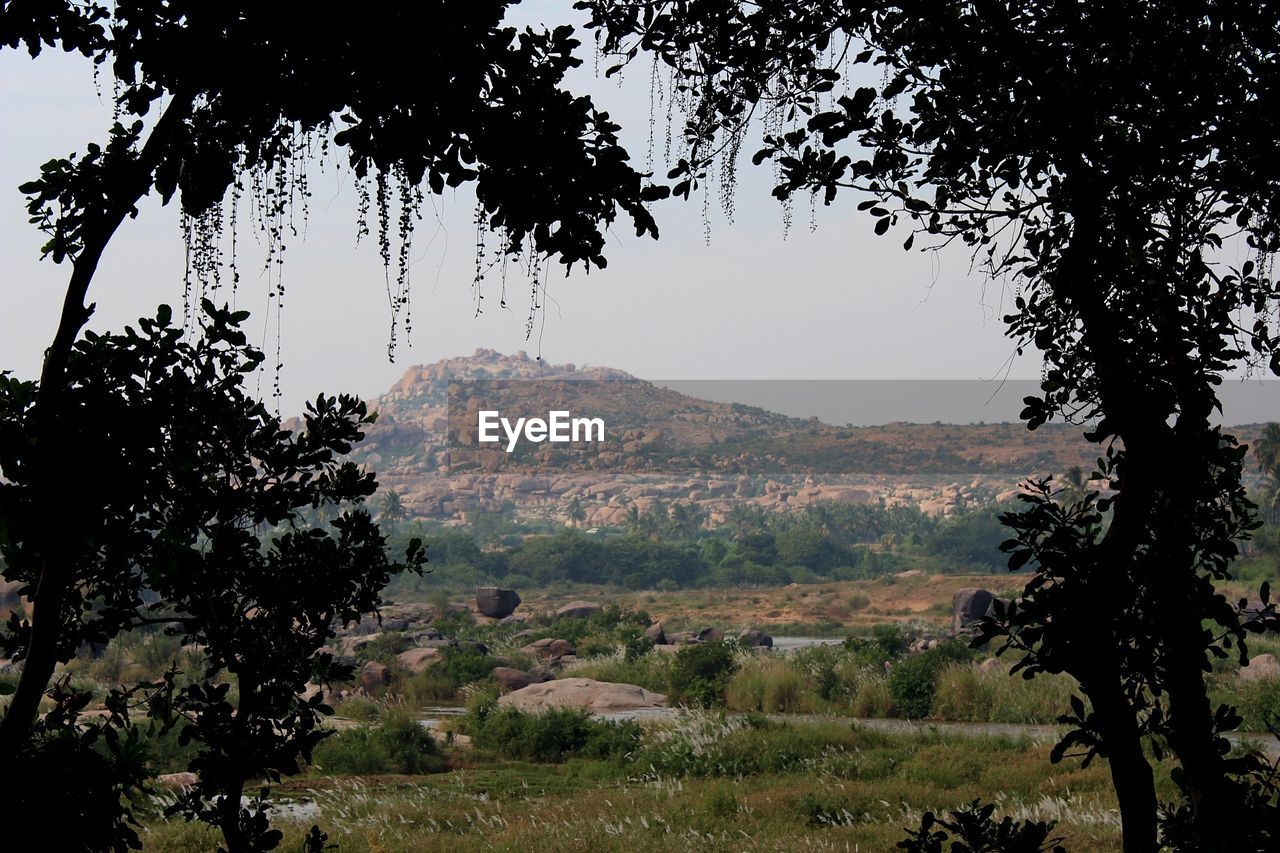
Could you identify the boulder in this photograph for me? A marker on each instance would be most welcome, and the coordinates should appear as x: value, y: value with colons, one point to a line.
x: 968, y: 606
x: 418, y: 660
x: 516, y: 679
x: 313, y: 690
x: 177, y: 780
x: 751, y: 638
x: 373, y: 676
x: 578, y: 610
x: 654, y: 632
x: 710, y: 635
x: 598, y: 697
x: 1261, y: 666
x: 496, y: 602
x: 548, y: 648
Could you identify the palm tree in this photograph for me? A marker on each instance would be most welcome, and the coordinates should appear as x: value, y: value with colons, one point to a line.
x: 576, y: 513
x: 1074, y: 485
x: 1266, y: 450
x: 391, y: 509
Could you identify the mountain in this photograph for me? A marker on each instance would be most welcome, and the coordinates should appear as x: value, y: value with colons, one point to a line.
x: 663, y: 445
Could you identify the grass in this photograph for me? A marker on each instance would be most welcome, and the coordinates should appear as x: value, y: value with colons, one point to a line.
x: 992, y: 696
x: 827, y: 786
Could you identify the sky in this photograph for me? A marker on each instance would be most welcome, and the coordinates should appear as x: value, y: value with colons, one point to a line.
x: 835, y: 302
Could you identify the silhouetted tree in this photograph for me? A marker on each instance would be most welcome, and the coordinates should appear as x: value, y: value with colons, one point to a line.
x: 184, y: 472
x: 1097, y: 155
x: 214, y: 100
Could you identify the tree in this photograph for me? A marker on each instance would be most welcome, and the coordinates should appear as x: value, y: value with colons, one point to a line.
x: 1097, y: 156
x: 1075, y: 485
x: 391, y: 509
x: 188, y: 472
x: 215, y: 100
x: 1267, y: 454
x: 575, y: 513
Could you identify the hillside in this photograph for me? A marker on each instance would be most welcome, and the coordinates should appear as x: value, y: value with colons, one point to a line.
x: 664, y: 445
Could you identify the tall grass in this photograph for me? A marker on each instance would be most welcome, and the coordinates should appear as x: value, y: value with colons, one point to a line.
x: 992, y: 696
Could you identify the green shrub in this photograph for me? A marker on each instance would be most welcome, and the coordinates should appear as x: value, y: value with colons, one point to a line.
x: 872, y: 699
x: 433, y: 684
x: 701, y: 672
x: 463, y: 667
x: 396, y: 744
x: 595, y: 646
x: 819, y: 811
x: 913, y: 680
x: 384, y: 647
x: 771, y: 685
x: 1257, y: 701
x: 359, y: 708
x: 636, y: 648
x: 553, y: 735
x: 965, y: 693
x: 884, y: 641
x: 721, y: 803
x: 651, y: 671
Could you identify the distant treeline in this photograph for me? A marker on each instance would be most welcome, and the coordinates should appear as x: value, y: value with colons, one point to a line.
x: 752, y: 547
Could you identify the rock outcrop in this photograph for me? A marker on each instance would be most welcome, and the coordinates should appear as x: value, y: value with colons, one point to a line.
x: 578, y: 610
x: 517, y: 679
x: 495, y: 602
x: 418, y: 660
x: 1261, y: 666
x: 549, y: 648
x: 374, y: 675
x: 968, y: 606
x: 597, y: 697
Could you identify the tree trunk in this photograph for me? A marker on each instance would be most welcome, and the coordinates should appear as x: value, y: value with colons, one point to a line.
x: 229, y: 819
x: 1131, y: 774
x: 49, y: 465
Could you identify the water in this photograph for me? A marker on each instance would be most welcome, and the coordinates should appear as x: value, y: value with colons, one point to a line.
x: 784, y: 644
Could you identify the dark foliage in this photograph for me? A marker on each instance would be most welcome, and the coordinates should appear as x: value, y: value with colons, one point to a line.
x: 192, y: 521
x: 701, y: 672
x: 972, y: 829
x: 1098, y: 156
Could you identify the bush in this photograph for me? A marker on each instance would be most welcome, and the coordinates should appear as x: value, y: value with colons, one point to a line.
x: 396, y: 744
x: 974, y: 828
x: 650, y: 671
x: 965, y: 693
x: 636, y: 648
x: 551, y: 736
x: 463, y: 667
x: 595, y: 646
x: 770, y: 685
x: 1257, y: 701
x: 384, y: 647
x: 913, y: 680
x: 701, y: 672
x: 433, y: 684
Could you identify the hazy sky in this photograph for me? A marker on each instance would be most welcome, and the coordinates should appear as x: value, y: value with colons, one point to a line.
x: 835, y: 303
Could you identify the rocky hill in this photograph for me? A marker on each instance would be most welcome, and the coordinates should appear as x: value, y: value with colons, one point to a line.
x: 663, y: 445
